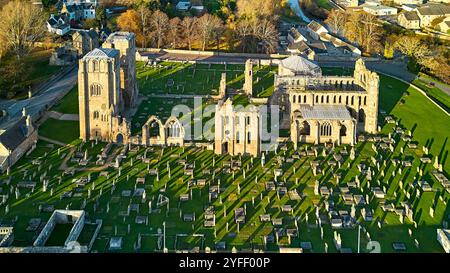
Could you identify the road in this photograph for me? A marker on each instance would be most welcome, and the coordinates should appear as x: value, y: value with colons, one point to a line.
x: 445, y: 88
x: 39, y: 102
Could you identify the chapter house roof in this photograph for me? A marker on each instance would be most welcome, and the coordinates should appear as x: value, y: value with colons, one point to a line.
x: 299, y: 64
x: 101, y: 53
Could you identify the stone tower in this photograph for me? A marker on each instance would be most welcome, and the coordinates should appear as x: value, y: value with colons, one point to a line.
x: 99, y: 95
x: 370, y: 81
x: 248, y: 83
x: 124, y: 42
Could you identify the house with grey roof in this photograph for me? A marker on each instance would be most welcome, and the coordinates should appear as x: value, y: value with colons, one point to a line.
x: 16, y: 140
x: 58, y: 24
x: 84, y: 41
x: 409, y: 20
x: 431, y: 11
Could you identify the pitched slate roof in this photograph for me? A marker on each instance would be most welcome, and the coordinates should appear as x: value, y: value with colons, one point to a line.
x: 101, y: 53
x: 315, y: 26
x: 299, y: 64
x: 411, y: 16
x: 434, y: 9
x: 12, y: 137
x: 331, y: 112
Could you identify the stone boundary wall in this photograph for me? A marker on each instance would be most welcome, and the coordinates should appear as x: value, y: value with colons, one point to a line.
x: 99, y: 223
x: 45, y: 249
x: 211, y: 53
x: 76, y: 229
x: 259, y: 100
x: 60, y: 216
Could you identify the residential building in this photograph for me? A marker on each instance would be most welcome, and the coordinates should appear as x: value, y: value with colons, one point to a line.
x: 16, y: 140
x: 409, y: 20
x: 380, y: 10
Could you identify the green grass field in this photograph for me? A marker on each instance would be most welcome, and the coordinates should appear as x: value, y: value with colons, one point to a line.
x: 200, y: 79
x: 434, y: 93
x: 69, y: 104
x: 60, y: 130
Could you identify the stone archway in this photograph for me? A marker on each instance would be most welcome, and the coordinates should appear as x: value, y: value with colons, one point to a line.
x: 174, y: 132
x: 153, y: 132
x: 119, y: 138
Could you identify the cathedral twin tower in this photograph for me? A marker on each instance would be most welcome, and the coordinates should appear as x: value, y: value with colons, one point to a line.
x: 108, y: 89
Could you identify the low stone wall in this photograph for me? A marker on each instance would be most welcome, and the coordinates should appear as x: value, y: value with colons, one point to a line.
x: 45, y: 249
x: 76, y: 230
x: 208, y: 145
x: 96, y: 232
x: 259, y: 100
x: 211, y: 53
x: 58, y: 217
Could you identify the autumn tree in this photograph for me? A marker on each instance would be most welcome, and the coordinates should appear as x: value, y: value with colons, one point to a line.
x: 244, y: 33
x: 129, y: 21
x: 267, y: 35
x: 173, y: 32
x: 21, y: 25
x: 207, y: 25
x: 412, y: 46
x: 188, y: 27
x: 363, y: 28
x: 336, y: 20
x: 144, y: 23
x: 257, y: 8
x: 438, y: 65
x: 159, y: 21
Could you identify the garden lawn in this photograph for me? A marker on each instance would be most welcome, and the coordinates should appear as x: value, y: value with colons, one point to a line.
x: 68, y: 104
x: 60, y: 130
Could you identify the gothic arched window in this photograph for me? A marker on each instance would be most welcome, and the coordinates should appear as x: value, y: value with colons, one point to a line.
x: 325, y: 129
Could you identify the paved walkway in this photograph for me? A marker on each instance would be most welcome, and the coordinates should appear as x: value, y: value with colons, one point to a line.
x: 71, y: 117
x: 39, y: 102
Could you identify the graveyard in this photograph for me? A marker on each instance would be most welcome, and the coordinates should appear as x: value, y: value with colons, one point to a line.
x: 390, y: 188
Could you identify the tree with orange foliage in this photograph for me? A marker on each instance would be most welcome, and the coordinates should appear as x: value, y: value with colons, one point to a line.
x: 129, y: 21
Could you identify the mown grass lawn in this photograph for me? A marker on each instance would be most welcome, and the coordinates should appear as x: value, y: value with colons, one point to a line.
x: 65, y: 131
x: 69, y: 104
x: 435, y: 93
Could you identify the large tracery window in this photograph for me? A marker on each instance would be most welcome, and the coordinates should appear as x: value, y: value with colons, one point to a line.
x: 174, y: 129
x: 96, y: 90
x: 325, y: 129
